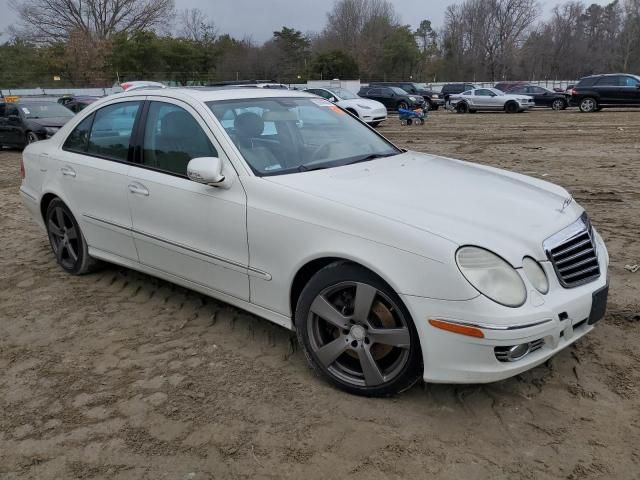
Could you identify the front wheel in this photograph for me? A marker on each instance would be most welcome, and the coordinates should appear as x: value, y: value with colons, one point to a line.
x: 66, y: 239
x: 31, y: 138
x: 588, y: 105
x: 357, y: 333
x: 559, y: 104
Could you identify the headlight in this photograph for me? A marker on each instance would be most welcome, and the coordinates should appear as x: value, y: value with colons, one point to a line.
x: 491, y: 276
x: 535, y: 273
x: 366, y: 107
x: 413, y: 99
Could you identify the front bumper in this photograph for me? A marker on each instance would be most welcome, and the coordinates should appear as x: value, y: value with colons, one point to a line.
x: 375, y: 115
x: 559, y: 318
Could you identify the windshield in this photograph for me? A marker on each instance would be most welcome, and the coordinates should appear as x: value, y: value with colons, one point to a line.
x: 398, y: 91
x: 44, y: 110
x: 343, y: 93
x: 286, y: 135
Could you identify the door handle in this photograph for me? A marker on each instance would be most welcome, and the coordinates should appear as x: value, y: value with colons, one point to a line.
x: 68, y: 172
x: 138, y: 189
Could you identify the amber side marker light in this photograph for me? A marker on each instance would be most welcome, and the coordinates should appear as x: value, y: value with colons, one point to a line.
x: 455, y: 328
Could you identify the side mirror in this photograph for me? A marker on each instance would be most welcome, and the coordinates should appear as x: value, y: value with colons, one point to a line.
x: 207, y: 170
x: 333, y: 99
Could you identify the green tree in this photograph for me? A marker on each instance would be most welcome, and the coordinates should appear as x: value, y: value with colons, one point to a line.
x: 293, y: 49
x: 334, y: 64
x: 400, y: 53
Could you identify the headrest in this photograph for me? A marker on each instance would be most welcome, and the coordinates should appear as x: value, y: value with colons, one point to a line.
x: 178, y: 124
x: 249, y: 124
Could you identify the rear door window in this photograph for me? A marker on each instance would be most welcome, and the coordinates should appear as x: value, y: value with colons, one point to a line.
x: 78, y: 139
x: 587, y: 82
x: 112, y: 130
x: 610, y: 81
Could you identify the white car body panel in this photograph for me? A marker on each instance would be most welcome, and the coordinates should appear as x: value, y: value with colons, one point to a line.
x: 369, y: 111
x: 497, y: 102
x: 403, y: 217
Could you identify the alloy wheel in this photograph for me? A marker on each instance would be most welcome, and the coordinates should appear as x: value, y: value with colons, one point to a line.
x: 557, y: 104
x: 31, y: 138
x: 64, y: 238
x: 588, y: 105
x: 358, y: 334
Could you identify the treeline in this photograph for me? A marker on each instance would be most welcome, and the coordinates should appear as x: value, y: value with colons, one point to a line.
x: 480, y: 40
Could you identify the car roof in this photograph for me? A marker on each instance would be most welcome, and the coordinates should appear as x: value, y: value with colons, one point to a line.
x: 211, y: 94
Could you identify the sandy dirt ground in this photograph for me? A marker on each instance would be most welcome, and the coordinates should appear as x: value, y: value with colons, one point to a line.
x: 117, y: 375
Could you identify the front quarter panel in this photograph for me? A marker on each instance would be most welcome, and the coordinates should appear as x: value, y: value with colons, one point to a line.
x: 288, y: 228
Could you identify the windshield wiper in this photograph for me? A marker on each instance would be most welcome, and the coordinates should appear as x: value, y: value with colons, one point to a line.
x: 304, y: 168
x: 371, y: 156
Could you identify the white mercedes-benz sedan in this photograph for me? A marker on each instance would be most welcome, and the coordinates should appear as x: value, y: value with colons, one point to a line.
x: 390, y: 265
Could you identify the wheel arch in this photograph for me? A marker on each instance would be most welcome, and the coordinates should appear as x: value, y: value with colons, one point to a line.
x: 46, y: 200
x: 304, y: 274
x: 352, y: 111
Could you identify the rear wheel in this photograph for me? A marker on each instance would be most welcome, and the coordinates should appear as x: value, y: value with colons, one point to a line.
x: 559, y: 104
x: 462, y: 107
x: 588, y: 105
x: 357, y: 333
x: 511, y: 107
x: 66, y: 239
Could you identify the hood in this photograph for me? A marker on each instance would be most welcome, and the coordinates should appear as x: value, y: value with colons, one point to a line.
x: 469, y: 204
x: 49, y: 122
x: 373, y: 104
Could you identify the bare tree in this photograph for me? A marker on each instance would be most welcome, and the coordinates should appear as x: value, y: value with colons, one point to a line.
x: 49, y: 21
x: 196, y: 25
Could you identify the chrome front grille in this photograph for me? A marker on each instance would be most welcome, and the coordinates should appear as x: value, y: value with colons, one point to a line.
x: 572, y: 252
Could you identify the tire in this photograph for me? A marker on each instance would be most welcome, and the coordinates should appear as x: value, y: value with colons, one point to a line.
x: 403, y: 105
x: 30, y: 138
x: 356, y: 332
x: 511, y: 107
x: 588, y: 105
x: 434, y: 107
x: 462, y: 107
x: 472, y: 111
x: 375, y: 124
x: 559, y: 104
x: 66, y: 239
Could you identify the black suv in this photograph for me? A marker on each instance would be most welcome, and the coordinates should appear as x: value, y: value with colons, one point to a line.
x: 392, y: 97
x: 454, y: 88
x: 611, y: 90
x: 431, y: 97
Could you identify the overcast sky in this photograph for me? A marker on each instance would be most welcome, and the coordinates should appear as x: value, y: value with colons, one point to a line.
x: 259, y: 18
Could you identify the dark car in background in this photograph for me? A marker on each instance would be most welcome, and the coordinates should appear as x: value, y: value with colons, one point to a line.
x: 26, y: 122
x: 77, y: 103
x: 543, y: 97
x: 392, y: 97
x: 610, y: 90
x: 431, y: 97
x: 506, y: 86
x: 454, y: 89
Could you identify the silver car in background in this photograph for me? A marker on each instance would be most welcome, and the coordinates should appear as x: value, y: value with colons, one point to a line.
x: 490, y: 99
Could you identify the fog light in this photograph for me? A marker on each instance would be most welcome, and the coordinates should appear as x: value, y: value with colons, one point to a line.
x: 512, y: 353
